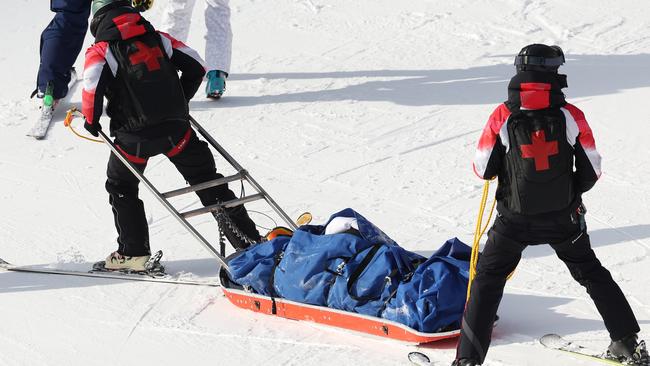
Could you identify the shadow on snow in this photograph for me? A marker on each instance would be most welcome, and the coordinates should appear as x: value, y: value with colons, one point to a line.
x: 588, y: 75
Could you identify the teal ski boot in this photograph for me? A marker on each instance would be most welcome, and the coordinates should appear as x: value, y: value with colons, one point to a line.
x: 216, y: 84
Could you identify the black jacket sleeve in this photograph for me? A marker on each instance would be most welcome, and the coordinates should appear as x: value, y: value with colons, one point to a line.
x: 187, y: 61
x: 192, y: 73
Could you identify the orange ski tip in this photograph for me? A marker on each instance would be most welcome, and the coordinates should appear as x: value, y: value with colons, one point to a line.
x: 304, y: 219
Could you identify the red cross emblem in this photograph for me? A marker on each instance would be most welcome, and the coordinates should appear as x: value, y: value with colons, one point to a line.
x: 539, y: 150
x: 146, y: 55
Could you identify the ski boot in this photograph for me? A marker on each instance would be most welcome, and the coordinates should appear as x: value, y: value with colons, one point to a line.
x: 118, y: 262
x: 629, y: 352
x: 465, y: 362
x: 216, y: 84
x: 49, y: 103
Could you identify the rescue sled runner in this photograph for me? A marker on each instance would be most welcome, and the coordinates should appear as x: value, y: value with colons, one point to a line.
x: 332, y: 317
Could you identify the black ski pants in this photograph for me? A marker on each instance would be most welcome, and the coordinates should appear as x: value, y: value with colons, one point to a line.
x: 506, y: 240
x: 193, y: 159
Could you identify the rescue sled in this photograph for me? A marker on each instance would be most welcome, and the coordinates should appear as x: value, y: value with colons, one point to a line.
x: 323, y: 315
x: 258, y: 303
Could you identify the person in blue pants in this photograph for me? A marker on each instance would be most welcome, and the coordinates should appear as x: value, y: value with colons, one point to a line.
x: 61, y: 42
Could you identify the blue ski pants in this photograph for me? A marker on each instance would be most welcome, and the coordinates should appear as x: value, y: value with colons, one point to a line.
x: 61, y: 42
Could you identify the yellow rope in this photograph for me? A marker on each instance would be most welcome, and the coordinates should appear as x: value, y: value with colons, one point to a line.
x: 72, y: 113
x: 478, y: 233
x: 487, y: 223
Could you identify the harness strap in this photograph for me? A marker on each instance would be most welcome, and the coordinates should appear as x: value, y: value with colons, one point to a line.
x: 181, y: 145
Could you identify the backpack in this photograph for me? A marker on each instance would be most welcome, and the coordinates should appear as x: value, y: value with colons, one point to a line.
x: 539, y: 162
x: 147, y: 90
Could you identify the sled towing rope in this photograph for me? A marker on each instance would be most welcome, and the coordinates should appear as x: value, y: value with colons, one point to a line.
x: 182, y: 217
x: 478, y: 233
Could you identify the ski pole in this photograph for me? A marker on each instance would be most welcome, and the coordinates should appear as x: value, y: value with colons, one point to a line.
x: 162, y: 200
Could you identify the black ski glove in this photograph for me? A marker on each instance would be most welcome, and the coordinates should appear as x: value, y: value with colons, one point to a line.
x: 93, y: 128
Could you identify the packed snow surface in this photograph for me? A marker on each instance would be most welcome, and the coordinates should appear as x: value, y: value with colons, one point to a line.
x: 371, y: 104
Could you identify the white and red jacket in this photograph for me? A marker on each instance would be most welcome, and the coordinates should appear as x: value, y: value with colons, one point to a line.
x: 540, y: 147
x: 136, y: 69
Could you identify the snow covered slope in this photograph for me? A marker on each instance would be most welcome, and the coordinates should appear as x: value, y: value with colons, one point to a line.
x: 370, y: 104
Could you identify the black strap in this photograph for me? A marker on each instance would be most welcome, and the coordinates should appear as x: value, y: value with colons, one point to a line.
x: 277, y: 259
x: 539, y: 61
x: 357, y: 273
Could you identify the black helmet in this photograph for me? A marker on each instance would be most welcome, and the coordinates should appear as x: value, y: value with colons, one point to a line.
x: 539, y: 57
x: 101, y: 7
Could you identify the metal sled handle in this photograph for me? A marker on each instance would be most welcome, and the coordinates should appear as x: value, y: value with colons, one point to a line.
x: 202, y: 186
x: 244, y: 173
x: 163, y: 201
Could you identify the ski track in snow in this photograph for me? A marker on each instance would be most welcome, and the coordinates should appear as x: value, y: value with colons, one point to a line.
x: 374, y: 105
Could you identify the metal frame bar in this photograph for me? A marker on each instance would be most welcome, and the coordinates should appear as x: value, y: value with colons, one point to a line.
x: 228, y: 204
x: 244, y: 173
x: 241, y: 174
x: 163, y: 201
x: 202, y: 186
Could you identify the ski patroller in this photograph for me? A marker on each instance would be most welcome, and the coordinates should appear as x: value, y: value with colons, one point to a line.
x: 39, y: 129
x: 241, y: 175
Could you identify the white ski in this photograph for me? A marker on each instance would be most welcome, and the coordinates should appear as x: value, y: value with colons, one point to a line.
x: 166, y: 278
x: 558, y: 343
x: 39, y: 129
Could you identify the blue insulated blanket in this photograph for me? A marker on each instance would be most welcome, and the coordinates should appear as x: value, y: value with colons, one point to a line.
x: 359, y: 269
x: 434, y: 299
x: 322, y: 269
x: 253, y: 267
